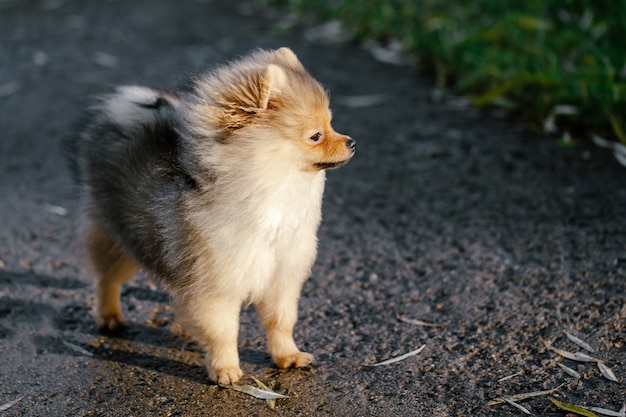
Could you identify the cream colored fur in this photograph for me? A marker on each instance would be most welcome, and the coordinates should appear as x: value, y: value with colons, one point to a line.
x: 248, y: 229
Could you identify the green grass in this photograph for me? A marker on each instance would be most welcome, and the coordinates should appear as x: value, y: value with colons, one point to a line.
x: 526, y: 55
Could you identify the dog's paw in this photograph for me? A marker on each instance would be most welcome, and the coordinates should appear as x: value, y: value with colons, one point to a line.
x: 111, y: 322
x: 296, y: 360
x: 225, y: 376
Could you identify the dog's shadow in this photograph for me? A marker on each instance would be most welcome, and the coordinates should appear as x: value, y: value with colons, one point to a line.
x: 75, y: 318
x: 191, y: 372
x: 69, y: 347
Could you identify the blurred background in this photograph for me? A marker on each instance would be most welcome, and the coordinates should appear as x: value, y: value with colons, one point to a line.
x: 558, y: 65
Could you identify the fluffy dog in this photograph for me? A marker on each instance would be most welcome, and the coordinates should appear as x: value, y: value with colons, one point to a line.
x: 216, y: 190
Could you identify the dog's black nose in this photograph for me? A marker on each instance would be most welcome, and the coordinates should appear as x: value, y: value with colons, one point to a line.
x: 351, y: 143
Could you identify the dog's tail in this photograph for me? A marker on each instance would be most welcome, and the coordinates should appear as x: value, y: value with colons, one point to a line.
x: 130, y: 109
x: 133, y: 106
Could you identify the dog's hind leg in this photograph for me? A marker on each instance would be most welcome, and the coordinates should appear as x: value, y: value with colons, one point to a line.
x: 113, y: 268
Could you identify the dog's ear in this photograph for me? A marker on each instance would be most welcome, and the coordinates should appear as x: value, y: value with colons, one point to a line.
x: 288, y: 58
x: 274, y: 79
x: 254, y: 93
x: 242, y: 96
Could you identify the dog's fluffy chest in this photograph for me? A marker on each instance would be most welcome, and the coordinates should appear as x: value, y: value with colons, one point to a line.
x: 290, y: 207
x: 259, y: 235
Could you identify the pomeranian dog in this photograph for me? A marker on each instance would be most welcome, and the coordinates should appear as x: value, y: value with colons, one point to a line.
x: 216, y: 190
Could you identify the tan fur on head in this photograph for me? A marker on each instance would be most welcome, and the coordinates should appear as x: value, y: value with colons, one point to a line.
x: 269, y: 94
x: 247, y: 96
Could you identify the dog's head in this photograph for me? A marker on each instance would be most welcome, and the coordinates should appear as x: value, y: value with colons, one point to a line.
x: 270, y: 102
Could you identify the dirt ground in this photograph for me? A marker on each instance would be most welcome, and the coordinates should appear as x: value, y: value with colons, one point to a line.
x: 499, y: 236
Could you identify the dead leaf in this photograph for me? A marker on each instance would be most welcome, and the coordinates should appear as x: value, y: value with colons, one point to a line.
x: 607, y: 412
x: 573, y: 408
x: 579, y: 342
x: 399, y: 358
x: 575, y: 356
x: 417, y: 322
x: 77, y: 349
x: 518, y: 406
x: 520, y: 397
x: 10, y: 404
x: 256, y: 392
x: 271, y: 402
x: 606, y: 372
x: 504, y: 378
x: 569, y: 370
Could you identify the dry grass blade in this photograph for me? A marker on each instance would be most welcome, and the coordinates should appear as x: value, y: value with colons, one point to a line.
x: 271, y: 402
x: 417, y: 322
x: 505, y: 378
x: 399, y: 358
x: 579, y: 342
x: 256, y: 392
x: 77, y: 349
x: 569, y: 370
x: 10, y: 404
x: 607, y: 412
x: 573, y: 408
x: 606, y: 372
x: 518, y: 406
x: 520, y: 397
x: 575, y: 356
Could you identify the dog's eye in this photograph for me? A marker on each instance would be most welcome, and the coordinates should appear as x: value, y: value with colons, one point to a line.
x: 316, y: 137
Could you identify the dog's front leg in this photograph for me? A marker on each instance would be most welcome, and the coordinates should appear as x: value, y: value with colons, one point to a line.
x: 278, y: 309
x: 214, y: 321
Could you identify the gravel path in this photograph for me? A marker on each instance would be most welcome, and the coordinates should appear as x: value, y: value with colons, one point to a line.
x: 499, y: 236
